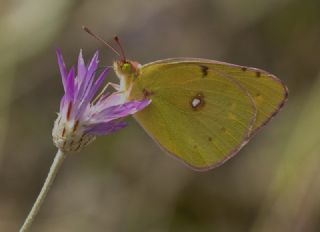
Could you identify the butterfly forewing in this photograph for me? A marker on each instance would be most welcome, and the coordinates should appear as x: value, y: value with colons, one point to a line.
x: 201, y: 116
x: 267, y: 91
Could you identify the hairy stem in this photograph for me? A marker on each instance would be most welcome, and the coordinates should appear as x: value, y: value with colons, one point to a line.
x: 60, y: 156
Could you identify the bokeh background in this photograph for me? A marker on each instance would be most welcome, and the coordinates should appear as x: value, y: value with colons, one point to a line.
x: 124, y: 182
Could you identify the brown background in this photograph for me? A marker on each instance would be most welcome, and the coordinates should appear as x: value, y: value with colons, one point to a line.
x: 124, y: 182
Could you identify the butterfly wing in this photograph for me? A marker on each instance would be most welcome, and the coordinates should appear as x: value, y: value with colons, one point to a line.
x: 203, y: 111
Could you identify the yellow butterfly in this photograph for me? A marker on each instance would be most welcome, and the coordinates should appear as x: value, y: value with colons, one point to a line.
x: 203, y: 111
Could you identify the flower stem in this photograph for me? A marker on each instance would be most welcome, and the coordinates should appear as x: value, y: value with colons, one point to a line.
x: 60, y: 156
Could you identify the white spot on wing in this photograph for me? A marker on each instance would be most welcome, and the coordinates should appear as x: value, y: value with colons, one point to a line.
x: 195, y: 102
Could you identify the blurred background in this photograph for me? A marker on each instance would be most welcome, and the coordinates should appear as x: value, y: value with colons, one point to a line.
x: 124, y: 182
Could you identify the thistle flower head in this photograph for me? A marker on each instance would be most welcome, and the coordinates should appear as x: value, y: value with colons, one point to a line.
x: 84, y: 114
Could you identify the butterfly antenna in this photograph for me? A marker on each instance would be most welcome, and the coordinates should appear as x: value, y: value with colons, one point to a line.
x: 116, y: 38
x: 86, y: 29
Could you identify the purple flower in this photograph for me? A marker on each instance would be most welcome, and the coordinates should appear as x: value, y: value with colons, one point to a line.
x: 84, y: 114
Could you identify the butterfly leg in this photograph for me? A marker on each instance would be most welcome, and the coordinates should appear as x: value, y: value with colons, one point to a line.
x: 113, y: 85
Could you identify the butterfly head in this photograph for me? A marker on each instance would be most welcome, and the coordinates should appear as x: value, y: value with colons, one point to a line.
x: 128, y: 68
x: 123, y: 66
x: 127, y: 71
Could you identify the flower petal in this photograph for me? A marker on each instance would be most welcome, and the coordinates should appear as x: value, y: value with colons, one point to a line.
x: 82, y: 69
x: 119, y: 111
x: 62, y: 103
x: 92, y: 68
x: 97, y: 84
x: 70, y: 90
x: 106, y: 128
x: 91, y: 92
x: 62, y: 68
x: 89, y: 78
x: 116, y: 98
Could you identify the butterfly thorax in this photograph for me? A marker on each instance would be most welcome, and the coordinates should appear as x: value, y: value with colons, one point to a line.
x: 127, y: 71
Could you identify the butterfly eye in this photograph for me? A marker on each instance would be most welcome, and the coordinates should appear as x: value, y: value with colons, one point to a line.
x: 126, y: 67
